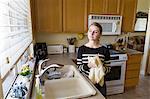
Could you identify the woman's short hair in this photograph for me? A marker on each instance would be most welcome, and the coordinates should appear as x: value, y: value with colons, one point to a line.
x: 98, y: 25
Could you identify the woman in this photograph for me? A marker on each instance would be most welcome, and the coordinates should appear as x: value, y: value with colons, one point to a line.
x: 93, y: 48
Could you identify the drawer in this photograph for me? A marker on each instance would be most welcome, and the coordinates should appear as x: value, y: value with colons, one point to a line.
x: 133, y: 66
x: 131, y: 82
x: 134, y: 58
x: 132, y: 74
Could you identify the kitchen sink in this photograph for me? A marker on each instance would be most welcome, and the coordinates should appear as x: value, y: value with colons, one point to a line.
x: 75, y: 86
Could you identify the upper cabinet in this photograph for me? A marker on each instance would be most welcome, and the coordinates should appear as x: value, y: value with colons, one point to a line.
x: 48, y: 14
x: 129, y: 8
x: 126, y: 8
x: 61, y: 15
x: 104, y: 6
x: 71, y: 16
x: 97, y: 6
x: 74, y: 16
x: 113, y: 6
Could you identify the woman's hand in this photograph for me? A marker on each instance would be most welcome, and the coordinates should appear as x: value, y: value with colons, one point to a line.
x: 92, y: 62
x: 90, y: 65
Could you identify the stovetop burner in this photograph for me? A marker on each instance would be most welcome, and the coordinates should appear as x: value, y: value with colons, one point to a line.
x: 117, y: 55
x: 113, y: 52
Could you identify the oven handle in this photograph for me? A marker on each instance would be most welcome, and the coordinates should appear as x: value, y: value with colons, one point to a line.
x: 118, y: 63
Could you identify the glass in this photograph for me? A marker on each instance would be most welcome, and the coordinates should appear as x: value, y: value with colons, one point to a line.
x: 114, y: 74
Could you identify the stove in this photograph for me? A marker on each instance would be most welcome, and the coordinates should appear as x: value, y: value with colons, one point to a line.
x: 112, y: 52
x: 116, y: 77
x: 117, y: 55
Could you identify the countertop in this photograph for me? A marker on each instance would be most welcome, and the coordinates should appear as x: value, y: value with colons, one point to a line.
x: 66, y: 59
x: 28, y: 82
x: 131, y: 51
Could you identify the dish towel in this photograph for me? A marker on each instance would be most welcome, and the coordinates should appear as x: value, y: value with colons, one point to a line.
x: 96, y: 74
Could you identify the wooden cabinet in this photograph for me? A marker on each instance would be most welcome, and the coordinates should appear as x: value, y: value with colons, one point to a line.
x: 75, y: 16
x: 97, y: 6
x: 71, y: 15
x: 126, y: 8
x: 147, y: 71
x: 61, y: 15
x: 133, y: 70
x: 32, y: 5
x: 48, y: 15
x: 113, y: 6
x: 104, y: 6
x: 129, y: 9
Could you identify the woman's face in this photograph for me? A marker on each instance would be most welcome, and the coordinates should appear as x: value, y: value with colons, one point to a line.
x: 93, y: 33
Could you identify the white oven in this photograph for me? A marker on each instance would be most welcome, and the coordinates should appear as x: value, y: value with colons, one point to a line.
x: 116, y: 77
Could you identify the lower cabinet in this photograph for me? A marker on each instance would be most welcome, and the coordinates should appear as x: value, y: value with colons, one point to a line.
x: 133, y: 70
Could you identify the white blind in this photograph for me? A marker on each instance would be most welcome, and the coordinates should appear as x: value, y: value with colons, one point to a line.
x: 15, y: 31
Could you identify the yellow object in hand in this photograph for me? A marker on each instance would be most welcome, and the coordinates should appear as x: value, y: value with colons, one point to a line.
x: 96, y: 74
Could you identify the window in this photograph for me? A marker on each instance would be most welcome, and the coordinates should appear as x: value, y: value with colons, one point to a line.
x: 15, y: 36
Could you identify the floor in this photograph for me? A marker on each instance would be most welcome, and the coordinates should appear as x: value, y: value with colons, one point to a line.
x: 142, y: 91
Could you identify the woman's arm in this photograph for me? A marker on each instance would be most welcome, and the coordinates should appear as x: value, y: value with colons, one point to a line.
x: 82, y: 68
x: 106, y: 61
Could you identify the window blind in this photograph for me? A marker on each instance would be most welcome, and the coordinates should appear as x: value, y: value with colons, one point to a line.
x: 15, y: 37
x: 15, y: 32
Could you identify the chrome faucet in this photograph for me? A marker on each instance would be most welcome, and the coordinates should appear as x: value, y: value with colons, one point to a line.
x: 40, y: 64
x: 41, y: 72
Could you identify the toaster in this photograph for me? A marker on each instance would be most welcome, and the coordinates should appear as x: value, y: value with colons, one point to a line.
x: 55, y: 49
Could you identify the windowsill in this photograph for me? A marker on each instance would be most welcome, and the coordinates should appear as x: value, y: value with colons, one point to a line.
x: 27, y: 83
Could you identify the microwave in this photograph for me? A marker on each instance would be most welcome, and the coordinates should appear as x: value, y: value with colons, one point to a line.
x: 111, y: 24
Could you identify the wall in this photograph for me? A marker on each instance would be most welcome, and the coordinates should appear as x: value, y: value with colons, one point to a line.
x: 143, y: 5
x: 60, y: 38
x: 146, y: 48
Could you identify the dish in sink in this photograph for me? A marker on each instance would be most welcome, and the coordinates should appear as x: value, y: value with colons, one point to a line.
x: 57, y: 73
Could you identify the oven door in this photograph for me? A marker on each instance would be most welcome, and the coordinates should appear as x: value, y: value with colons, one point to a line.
x: 116, y: 75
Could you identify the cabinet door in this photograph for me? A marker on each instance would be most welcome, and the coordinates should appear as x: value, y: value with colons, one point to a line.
x: 133, y: 70
x: 129, y: 13
x: 32, y: 4
x: 112, y: 6
x: 131, y: 82
x: 148, y: 66
x: 104, y: 6
x: 97, y: 6
x: 49, y: 15
x: 75, y: 15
